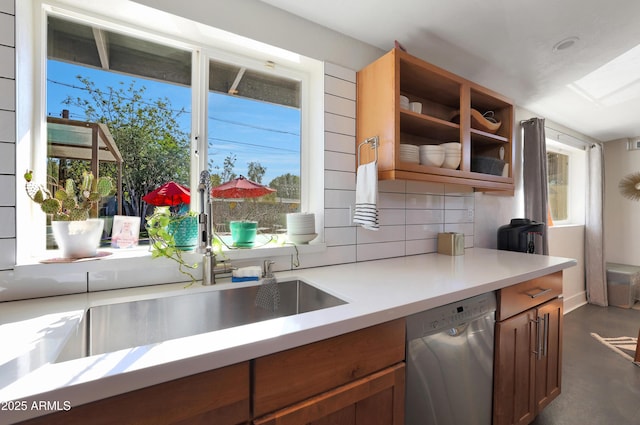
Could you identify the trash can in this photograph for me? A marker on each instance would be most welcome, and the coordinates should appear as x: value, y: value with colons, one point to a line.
x: 623, y: 284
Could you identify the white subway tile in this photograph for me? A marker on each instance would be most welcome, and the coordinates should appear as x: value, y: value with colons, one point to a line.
x: 339, y: 87
x: 340, y: 143
x: 7, y: 62
x: 391, y: 200
x: 7, y: 94
x: 424, y: 187
x: 417, y: 201
x: 339, y: 106
x: 339, y: 124
x: 332, y: 255
x: 7, y: 260
x: 8, y: 126
x: 8, y: 6
x: 335, y: 236
x: 392, y: 186
x: 425, y: 216
x: 7, y: 222
x: 423, y: 231
x: 391, y: 217
x: 339, y: 198
x: 338, y: 71
x: 8, y: 185
x: 338, y: 161
x: 338, y: 217
x: 457, y: 216
x: 384, y: 234
x: 375, y: 251
x: 459, y: 202
x: 466, y: 228
x: 7, y: 30
x: 339, y: 180
x: 421, y: 246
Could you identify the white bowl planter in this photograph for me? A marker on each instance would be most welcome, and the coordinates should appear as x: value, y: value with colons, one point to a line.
x: 78, y: 239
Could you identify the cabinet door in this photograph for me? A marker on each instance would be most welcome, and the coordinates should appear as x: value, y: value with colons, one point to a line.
x: 219, y: 396
x: 514, y: 370
x: 377, y: 399
x: 549, y: 361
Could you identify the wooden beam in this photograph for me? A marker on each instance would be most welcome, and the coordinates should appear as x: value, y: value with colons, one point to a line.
x: 234, y: 87
x: 102, y: 45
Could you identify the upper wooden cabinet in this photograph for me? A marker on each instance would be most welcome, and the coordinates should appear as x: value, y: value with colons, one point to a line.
x: 447, y: 103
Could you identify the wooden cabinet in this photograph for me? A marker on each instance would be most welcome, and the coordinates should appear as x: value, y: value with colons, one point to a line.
x: 447, y: 102
x: 528, y: 356
x: 218, y: 397
x: 355, y: 375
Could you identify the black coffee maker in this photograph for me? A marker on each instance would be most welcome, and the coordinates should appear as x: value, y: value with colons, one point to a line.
x: 520, y: 235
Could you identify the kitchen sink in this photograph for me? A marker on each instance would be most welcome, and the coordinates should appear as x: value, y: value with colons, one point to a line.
x: 112, y: 327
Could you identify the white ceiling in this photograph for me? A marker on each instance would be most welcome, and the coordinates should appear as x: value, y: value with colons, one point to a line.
x: 507, y: 45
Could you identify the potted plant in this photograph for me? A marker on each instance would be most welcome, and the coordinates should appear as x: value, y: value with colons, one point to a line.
x: 77, y: 234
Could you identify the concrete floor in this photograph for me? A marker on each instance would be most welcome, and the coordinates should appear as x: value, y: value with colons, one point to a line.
x: 599, y: 387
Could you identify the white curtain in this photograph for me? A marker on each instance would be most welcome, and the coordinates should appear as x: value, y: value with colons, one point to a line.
x: 535, y: 177
x: 594, y: 258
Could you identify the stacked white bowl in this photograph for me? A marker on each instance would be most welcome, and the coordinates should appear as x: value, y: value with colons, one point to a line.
x: 409, y: 153
x: 452, y: 155
x: 301, y: 227
x: 431, y: 155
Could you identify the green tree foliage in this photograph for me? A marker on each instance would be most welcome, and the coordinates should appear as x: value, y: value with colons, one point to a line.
x: 287, y: 186
x: 255, y: 171
x: 154, y: 148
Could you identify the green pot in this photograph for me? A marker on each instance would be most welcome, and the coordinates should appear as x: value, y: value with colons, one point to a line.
x: 243, y: 233
x: 185, y: 232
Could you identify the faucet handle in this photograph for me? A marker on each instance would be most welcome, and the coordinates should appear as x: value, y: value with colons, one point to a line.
x: 266, y: 268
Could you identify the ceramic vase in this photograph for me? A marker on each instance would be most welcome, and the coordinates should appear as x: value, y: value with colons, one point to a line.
x: 78, y: 239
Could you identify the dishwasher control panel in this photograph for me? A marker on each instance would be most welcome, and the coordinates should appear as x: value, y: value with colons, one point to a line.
x: 450, y: 315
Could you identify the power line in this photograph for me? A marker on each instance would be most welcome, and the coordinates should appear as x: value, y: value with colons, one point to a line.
x: 235, y: 142
x: 185, y: 111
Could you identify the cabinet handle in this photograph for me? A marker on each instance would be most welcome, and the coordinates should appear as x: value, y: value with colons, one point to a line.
x: 538, y: 350
x: 539, y: 293
x: 545, y: 338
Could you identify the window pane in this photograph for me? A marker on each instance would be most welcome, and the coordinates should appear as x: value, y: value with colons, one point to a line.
x: 139, y: 90
x: 254, y: 131
x: 558, y: 181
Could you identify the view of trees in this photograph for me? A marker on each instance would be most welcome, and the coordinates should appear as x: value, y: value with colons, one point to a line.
x: 156, y: 150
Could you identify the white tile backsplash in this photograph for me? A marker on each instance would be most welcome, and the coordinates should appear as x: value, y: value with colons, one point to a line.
x: 339, y: 198
x: 8, y: 127
x: 8, y: 63
x: 335, y: 236
x: 338, y: 161
x: 7, y: 30
x: 391, y: 200
x: 8, y: 185
x: 8, y: 6
x: 374, y: 251
x: 339, y: 87
x: 7, y: 259
x: 339, y: 179
x: 338, y: 217
x: 339, y: 106
x: 7, y: 158
x: 337, y: 142
x: 7, y: 222
x: 339, y: 124
x: 422, y: 201
x: 423, y: 231
x: 336, y: 71
x: 425, y: 216
x: 7, y: 94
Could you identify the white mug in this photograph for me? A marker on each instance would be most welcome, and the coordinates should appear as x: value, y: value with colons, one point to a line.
x: 416, y: 107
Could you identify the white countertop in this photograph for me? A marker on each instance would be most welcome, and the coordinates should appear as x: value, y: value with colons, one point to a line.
x: 33, y: 331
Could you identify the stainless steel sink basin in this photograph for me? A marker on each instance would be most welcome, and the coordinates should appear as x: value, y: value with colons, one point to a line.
x: 131, y: 324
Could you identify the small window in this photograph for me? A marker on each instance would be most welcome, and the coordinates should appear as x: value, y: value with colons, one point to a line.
x: 566, y: 167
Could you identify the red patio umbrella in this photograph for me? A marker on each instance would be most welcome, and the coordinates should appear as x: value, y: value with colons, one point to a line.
x: 169, y: 194
x: 240, y: 188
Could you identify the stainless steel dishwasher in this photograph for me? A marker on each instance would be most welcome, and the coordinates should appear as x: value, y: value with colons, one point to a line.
x: 450, y: 363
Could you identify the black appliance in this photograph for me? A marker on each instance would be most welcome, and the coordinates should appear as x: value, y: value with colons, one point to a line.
x: 520, y: 235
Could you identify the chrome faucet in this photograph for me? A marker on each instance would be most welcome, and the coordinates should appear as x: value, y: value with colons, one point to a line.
x: 266, y: 268
x: 205, y: 220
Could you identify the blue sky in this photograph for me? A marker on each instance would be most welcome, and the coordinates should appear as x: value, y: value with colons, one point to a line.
x: 252, y: 130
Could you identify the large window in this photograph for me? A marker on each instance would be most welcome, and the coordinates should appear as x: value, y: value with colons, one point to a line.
x: 146, y: 92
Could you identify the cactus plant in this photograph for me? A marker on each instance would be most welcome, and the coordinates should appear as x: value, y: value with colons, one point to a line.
x: 65, y: 204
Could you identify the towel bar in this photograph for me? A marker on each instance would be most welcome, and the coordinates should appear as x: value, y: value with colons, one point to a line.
x: 374, y: 143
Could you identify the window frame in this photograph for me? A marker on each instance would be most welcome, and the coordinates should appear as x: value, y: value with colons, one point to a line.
x: 309, y: 72
x: 576, y: 186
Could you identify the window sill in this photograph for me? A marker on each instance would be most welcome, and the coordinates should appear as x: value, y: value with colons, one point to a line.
x: 141, y: 256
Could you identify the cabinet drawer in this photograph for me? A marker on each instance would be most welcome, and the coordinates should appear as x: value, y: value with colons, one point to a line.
x: 531, y: 293
x: 291, y: 376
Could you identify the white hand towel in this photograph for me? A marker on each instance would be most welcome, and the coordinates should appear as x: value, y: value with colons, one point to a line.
x: 366, y: 212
